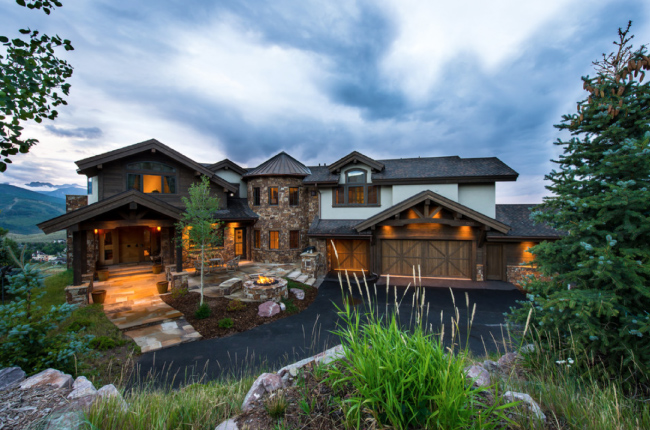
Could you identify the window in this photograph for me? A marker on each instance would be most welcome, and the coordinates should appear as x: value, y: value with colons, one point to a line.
x: 294, y: 196
x: 273, y: 196
x: 147, y: 178
x: 256, y: 196
x: 294, y: 239
x: 257, y: 239
x: 219, y: 232
x: 90, y: 186
x: 274, y: 240
x: 356, y: 191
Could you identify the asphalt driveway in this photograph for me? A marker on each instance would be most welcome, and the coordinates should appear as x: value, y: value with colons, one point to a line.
x: 296, y: 337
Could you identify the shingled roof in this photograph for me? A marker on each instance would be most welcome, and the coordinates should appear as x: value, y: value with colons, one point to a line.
x: 237, y: 210
x: 282, y: 164
x: 335, y: 227
x: 518, y: 218
x: 428, y: 170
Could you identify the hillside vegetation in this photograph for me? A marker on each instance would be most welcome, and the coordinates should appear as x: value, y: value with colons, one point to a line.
x: 21, y: 210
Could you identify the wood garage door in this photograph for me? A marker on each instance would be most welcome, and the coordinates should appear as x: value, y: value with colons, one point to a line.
x: 353, y: 255
x: 436, y: 258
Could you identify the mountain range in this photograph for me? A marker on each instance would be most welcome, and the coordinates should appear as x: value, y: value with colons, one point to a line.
x: 21, y: 209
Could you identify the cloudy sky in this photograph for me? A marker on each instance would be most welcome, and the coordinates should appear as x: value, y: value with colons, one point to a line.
x: 318, y: 79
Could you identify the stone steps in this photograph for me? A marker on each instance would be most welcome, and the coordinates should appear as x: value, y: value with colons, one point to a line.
x: 163, y: 335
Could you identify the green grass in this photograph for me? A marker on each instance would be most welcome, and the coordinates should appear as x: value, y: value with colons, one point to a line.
x: 36, y: 238
x: 197, y: 407
x: 105, y: 365
x: 575, y: 400
x: 293, y: 284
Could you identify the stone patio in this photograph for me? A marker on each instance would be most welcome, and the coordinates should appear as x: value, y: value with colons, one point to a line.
x: 133, y: 304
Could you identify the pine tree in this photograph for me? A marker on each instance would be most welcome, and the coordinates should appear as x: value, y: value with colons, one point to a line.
x: 595, y: 295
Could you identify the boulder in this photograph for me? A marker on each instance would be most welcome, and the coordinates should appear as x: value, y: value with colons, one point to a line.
x: 283, y: 307
x: 479, y: 375
x: 51, y: 377
x: 265, y: 383
x: 64, y: 421
x: 227, y: 425
x: 300, y: 294
x: 527, y: 402
x: 109, y: 391
x: 11, y: 376
x: 508, y: 359
x: 268, y: 309
x: 82, y: 387
x: 527, y: 349
x: 490, y: 366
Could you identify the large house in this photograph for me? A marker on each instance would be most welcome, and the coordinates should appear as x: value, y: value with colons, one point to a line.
x: 382, y: 216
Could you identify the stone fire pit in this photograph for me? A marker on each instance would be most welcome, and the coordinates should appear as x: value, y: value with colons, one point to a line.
x: 275, y: 291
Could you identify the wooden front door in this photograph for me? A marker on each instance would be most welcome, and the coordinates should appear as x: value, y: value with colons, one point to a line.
x: 353, y: 255
x: 430, y: 258
x: 240, y: 241
x: 494, y: 262
x: 132, y: 244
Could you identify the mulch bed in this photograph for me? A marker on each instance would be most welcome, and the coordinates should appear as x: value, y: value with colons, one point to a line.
x: 243, y: 320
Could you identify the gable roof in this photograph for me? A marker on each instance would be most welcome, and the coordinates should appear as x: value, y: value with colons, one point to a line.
x: 522, y: 227
x: 335, y: 227
x: 428, y: 170
x: 82, y: 214
x: 152, y: 145
x: 438, y: 199
x: 281, y: 164
x: 227, y: 165
x: 355, y: 157
x: 237, y: 210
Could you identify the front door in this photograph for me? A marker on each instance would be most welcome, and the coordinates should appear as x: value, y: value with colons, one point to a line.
x: 132, y: 244
x: 240, y: 248
x: 494, y: 262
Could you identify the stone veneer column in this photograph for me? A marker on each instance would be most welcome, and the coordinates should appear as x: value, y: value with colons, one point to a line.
x: 72, y: 203
x: 282, y: 218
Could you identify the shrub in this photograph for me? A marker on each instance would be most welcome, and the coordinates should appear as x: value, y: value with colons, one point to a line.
x: 178, y: 293
x: 291, y: 307
x: 103, y: 343
x: 226, y: 323
x: 29, y: 336
x: 202, y: 312
x: 235, y: 306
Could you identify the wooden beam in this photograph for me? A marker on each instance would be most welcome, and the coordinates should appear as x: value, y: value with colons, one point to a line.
x: 435, y: 211
x: 109, y: 225
x: 482, y: 236
x: 133, y: 206
x: 426, y: 209
x: 452, y: 222
x: 141, y: 215
x: 418, y: 213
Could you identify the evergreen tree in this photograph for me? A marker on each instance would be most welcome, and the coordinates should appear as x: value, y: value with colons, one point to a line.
x: 594, y: 295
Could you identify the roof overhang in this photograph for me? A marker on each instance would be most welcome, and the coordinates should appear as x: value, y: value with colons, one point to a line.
x: 88, y: 166
x: 436, y: 198
x: 87, y: 212
x: 226, y: 164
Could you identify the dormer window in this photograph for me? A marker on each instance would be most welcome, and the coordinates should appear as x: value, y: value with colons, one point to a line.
x: 356, y: 191
x: 151, y: 177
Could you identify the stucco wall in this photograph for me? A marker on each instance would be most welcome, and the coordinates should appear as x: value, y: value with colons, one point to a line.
x: 233, y: 178
x: 481, y: 198
x: 403, y: 192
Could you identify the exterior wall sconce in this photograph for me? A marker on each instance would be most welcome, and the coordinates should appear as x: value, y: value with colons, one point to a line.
x: 158, y: 228
x: 96, y: 231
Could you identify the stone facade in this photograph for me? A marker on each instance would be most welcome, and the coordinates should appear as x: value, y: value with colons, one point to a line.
x: 479, y: 273
x: 72, y: 203
x: 78, y: 295
x: 180, y: 281
x: 281, y: 217
x: 518, y: 274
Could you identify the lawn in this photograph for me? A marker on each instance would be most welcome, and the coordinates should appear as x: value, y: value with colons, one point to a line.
x: 113, y: 354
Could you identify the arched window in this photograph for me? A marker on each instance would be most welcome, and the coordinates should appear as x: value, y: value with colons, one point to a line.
x: 151, y: 177
x: 356, y: 191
